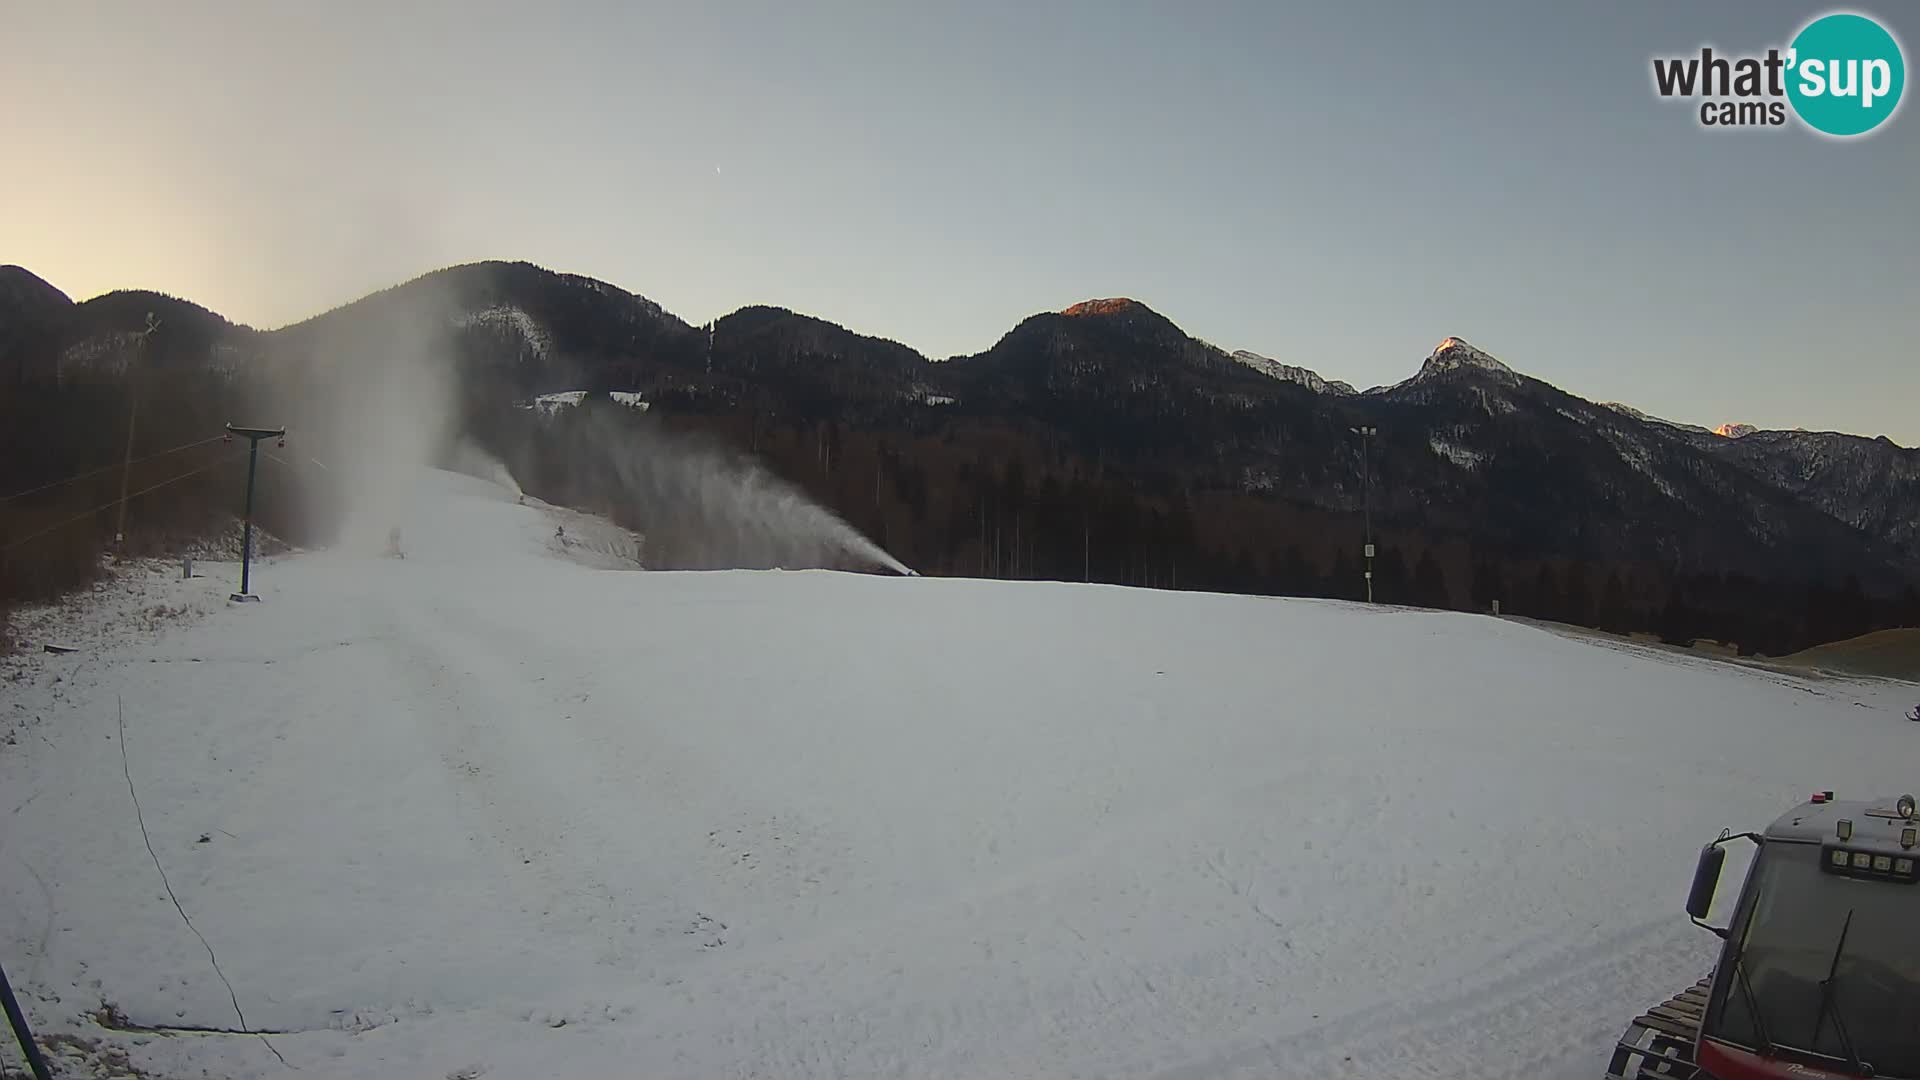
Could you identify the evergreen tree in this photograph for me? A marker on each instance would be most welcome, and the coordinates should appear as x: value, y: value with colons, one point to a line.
x: 1391, y: 582
x: 1488, y: 584
x: 1548, y: 603
x: 1576, y: 598
x: 1296, y: 577
x: 1615, y: 613
x: 1343, y: 581
x: 1678, y: 621
x: 1853, y: 613
x: 1430, y: 582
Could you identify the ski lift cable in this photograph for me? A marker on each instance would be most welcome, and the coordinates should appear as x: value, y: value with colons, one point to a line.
x: 276, y: 458
x: 110, y: 505
x: 107, y: 468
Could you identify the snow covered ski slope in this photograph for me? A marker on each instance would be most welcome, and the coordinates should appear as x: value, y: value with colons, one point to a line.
x: 488, y: 811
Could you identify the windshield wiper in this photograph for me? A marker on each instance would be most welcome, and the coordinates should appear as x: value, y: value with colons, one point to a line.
x: 1753, y: 1005
x: 1830, y: 1006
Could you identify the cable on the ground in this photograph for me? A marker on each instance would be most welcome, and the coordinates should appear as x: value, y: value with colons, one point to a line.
x: 126, y: 768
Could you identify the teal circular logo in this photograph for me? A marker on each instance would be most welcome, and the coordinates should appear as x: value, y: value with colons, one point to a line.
x: 1845, y: 74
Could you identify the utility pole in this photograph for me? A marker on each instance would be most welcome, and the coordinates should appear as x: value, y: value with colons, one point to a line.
x: 253, y: 437
x: 1366, y: 434
x: 133, y: 409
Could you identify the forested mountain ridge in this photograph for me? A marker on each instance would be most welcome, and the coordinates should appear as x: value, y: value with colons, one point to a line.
x: 1105, y: 442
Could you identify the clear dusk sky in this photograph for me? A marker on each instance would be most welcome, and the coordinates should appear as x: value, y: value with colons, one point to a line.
x: 1338, y: 186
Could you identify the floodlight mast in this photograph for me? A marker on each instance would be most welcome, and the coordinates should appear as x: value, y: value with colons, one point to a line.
x: 1366, y: 433
x: 133, y: 411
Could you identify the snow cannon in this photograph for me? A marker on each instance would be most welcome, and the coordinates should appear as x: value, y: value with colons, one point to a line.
x: 1819, y: 964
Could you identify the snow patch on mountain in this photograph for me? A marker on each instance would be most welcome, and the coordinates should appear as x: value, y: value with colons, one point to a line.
x: 651, y: 309
x: 1638, y: 457
x: 552, y: 403
x: 509, y: 319
x: 1649, y: 418
x: 1871, y: 484
x: 102, y: 354
x: 1451, y: 355
x: 1454, y: 353
x: 594, y: 284
x: 1306, y: 377
x: 1495, y: 404
x: 923, y: 395
x: 1420, y: 390
x: 548, y: 404
x: 1259, y: 478
x: 1454, y: 452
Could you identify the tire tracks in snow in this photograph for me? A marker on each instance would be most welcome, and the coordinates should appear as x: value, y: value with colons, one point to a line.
x: 525, y: 772
x: 1555, y: 1004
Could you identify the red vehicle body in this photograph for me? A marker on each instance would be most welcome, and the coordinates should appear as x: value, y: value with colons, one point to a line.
x: 1819, y: 975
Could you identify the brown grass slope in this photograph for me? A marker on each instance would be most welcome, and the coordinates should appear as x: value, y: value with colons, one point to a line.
x: 1885, y: 654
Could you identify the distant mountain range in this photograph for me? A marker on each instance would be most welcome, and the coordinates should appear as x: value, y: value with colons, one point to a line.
x: 1470, y: 451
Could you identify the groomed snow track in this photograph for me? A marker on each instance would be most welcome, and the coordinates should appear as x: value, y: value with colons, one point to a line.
x: 490, y: 811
